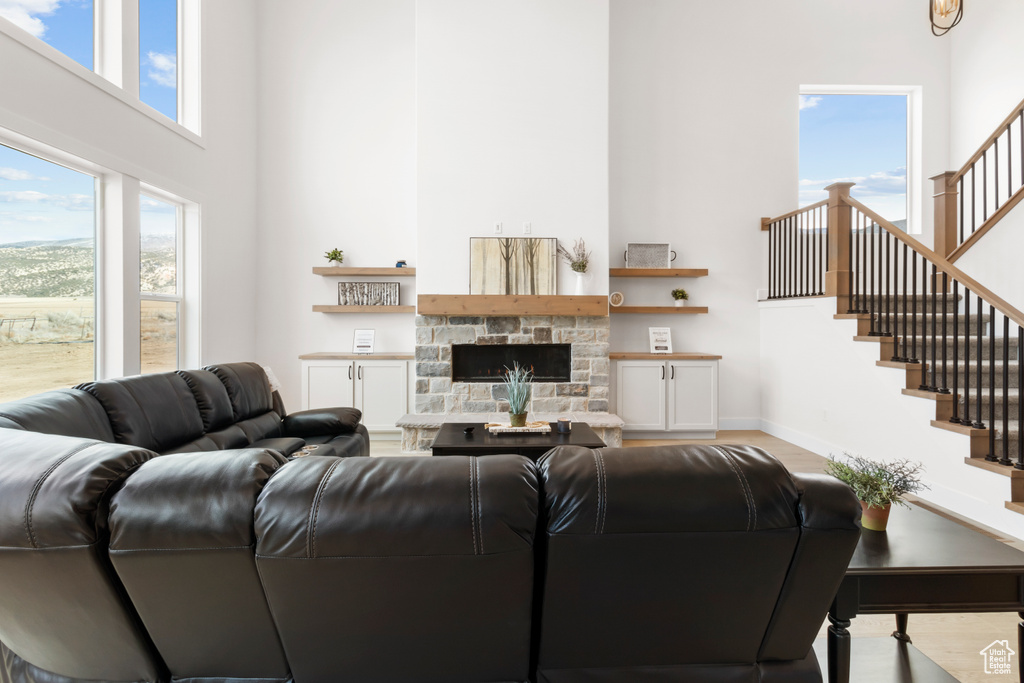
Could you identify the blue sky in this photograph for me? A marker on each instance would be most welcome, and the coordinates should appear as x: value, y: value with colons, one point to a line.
x: 855, y: 138
x: 68, y: 26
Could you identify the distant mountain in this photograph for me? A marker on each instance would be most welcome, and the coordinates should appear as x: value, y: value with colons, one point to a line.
x: 901, y: 224
x: 66, y: 268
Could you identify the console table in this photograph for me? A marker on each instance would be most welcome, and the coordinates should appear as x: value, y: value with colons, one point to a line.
x: 924, y: 563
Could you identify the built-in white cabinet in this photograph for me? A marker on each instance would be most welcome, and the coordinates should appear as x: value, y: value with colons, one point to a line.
x: 379, y: 388
x: 667, y: 395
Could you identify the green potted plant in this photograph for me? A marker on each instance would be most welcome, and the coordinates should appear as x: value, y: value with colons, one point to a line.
x: 517, y: 384
x: 681, y: 296
x: 878, y: 485
x: 335, y: 257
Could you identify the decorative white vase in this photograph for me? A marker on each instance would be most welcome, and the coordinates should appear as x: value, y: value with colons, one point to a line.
x: 581, y: 284
x: 680, y: 303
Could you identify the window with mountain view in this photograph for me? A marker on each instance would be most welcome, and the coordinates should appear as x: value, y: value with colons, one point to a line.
x: 160, y: 291
x: 47, y: 275
x: 860, y: 139
x: 67, y: 25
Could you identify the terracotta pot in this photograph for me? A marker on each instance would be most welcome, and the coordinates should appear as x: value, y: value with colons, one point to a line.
x: 517, y: 420
x: 874, y: 519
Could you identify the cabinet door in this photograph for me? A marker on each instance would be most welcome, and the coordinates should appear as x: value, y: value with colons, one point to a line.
x: 693, y: 395
x: 327, y: 384
x: 382, y: 392
x: 640, y: 394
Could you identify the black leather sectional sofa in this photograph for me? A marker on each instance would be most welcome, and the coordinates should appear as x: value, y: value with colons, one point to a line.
x: 651, y: 565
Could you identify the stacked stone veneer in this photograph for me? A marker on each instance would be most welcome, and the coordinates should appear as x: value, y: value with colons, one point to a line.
x: 437, y: 394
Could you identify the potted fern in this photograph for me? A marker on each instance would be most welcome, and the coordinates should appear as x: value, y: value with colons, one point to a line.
x: 517, y: 384
x: 335, y: 257
x: 878, y: 485
x: 681, y: 296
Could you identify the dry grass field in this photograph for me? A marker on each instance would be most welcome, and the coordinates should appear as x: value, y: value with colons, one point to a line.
x: 48, y: 343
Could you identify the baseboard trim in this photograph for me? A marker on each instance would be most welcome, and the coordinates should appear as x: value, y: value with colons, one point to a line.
x: 801, y: 439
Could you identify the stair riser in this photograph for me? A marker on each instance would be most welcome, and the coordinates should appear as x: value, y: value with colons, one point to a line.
x: 923, y: 307
x: 924, y: 325
x: 923, y: 349
x: 972, y: 384
x: 1013, y: 407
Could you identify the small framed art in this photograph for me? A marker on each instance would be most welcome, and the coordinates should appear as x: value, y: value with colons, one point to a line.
x: 362, y: 341
x: 661, y: 339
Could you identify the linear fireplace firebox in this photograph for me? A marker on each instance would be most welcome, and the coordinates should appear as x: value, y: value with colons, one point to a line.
x: 487, y: 362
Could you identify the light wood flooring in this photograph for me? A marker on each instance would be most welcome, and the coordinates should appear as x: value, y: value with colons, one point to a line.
x: 953, y: 641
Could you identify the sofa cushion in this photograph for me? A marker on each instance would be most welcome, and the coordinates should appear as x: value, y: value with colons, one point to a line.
x: 157, y: 412
x: 66, y: 412
x: 248, y: 388
x: 211, y: 397
x: 322, y: 421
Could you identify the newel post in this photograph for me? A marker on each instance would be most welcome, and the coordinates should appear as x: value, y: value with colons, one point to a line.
x: 945, y: 241
x: 837, y: 279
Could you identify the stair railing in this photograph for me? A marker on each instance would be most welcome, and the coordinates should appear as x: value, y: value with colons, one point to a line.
x: 934, y: 315
x: 970, y: 201
x: 797, y: 243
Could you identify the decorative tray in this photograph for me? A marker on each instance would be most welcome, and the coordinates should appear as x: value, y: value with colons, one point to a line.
x: 530, y: 428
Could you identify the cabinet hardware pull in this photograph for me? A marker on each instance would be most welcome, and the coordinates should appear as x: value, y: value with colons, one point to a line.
x: 350, y: 372
x: 673, y: 376
x: 663, y: 372
x: 360, y: 372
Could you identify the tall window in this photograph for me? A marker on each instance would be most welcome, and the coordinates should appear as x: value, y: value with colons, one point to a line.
x: 47, y: 275
x: 859, y: 138
x: 65, y: 24
x: 160, y: 284
x: 158, y: 55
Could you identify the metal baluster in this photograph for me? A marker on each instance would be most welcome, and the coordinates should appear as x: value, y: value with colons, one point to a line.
x: 792, y: 258
x: 913, y: 316
x: 974, y: 201
x: 991, y: 457
x: 888, y: 289
x: 984, y: 185
x: 956, y: 354
x: 871, y: 279
x: 1020, y: 383
x: 852, y: 308
x: 800, y: 291
x: 960, y: 196
x: 1005, y: 460
x: 977, y: 422
x: 807, y: 256
x: 996, y: 205
x: 935, y: 335
x: 944, y: 388
x: 771, y: 259
x: 904, y: 357
x: 966, y: 419
x: 924, y: 325
x: 1009, y: 162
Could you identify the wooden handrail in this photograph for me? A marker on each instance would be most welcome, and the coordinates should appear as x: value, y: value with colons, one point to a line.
x: 941, y: 263
x: 765, y: 222
x: 988, y: 143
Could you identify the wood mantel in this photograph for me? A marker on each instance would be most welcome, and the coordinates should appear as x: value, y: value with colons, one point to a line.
x: 512, y: 304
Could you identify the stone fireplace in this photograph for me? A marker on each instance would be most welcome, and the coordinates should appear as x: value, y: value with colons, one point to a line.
x: 582, y: 394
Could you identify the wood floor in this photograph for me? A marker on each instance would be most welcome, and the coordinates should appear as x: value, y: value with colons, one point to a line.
x: 953, y: 641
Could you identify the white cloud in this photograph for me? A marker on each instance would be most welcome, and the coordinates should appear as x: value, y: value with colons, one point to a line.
x: 876, y: 184
x: 22, y: 196
x: 155, y: 206
x: 809, y: 102
x: 25, y: 13
x: 17, y: 174
x: 71, y: 202
x: 163, y: 69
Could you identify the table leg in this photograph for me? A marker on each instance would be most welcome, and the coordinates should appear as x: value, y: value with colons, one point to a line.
x: 901, y: 627
x: 839, y: 649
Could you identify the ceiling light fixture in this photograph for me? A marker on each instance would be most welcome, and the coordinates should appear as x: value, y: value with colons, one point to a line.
x: 944, y: 15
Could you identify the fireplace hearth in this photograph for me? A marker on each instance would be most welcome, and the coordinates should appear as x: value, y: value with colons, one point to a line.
x: 487, y: 363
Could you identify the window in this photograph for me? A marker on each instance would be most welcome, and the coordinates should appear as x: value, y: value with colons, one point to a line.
x: 866, y: 138
x: 47, y: 275
x: 158, y: 55
x: 67, y: 25
x: 159, y: 284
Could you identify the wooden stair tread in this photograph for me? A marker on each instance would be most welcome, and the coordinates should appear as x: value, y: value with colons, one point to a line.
x: 959, y: 429
x: 852, y: 316
x: 898, y: 364
x: 868, y: 338
x: 1004, y: 470
x: 933, y: 395
x: 1014, y: 506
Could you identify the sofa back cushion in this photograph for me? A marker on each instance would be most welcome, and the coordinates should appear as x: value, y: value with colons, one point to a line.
x: 211, y: 398
x: 248, y: 388
x: 158, y: 412
x: 669, y: 558
x: 433, y: 556
x: 65, y: 412
x: 182, y: 541
x: 64, y: 609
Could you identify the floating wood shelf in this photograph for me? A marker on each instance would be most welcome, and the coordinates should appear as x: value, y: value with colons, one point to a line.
x: 658, y: 272
x: 342, y: 270
x: 682, y: 355
x: 364, y: 309
x: 679, y: 310
x: 512, y: 304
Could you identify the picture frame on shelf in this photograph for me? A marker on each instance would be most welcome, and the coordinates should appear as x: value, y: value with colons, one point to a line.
x: 362, y: 341
x: 661, y: 339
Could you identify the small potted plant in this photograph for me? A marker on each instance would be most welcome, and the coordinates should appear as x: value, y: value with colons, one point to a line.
x: 878, y: 485
x: 579, y: 260
x: 681, y: 296
x: 335, y: 257
x: 517, y: 384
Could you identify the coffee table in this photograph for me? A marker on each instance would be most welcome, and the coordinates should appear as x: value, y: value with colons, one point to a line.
x: 452, y: 440
x: 924, y: 563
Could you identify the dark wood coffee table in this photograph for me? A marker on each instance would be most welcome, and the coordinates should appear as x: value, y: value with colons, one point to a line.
x: 924, y: 563
x: 452, y: 440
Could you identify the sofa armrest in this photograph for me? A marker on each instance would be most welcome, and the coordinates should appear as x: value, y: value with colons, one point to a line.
x: 322, y: 422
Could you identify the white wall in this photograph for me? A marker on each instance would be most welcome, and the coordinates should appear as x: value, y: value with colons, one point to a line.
x: 839, y: 401
x: 44, y: 101
x: 337, y: 151
x: 986, y: 84
x: 704, y: 134
x: 513, y: 127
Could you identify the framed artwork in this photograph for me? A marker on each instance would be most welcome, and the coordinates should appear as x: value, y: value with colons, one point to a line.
x: 362, y: 341
x: 367, y: 293
x: 513, y: 265
x: 661, y: 339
